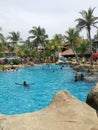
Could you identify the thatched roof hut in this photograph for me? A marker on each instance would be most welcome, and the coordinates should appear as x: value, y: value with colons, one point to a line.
x: 68, y: 53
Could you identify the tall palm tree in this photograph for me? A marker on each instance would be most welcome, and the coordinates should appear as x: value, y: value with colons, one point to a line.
x: 39, y: 35
x: 14, y: 37
x: 87, y: 21
x: 71, y: 36
x: 3, y: 43
x: 3, y: 40
x: 39, y: 38
x: 60, y: 38
x: 56, y: 43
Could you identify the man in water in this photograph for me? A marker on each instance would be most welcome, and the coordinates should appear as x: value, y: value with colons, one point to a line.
x: 76, y: 79
x: 78, y: 74
x: 25, y: 84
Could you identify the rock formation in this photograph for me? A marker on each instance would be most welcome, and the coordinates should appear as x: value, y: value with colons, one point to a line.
x: 92, y: 98
x: 64, y: 113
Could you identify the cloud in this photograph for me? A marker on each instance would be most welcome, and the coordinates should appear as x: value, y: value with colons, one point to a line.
x: 56, y: 16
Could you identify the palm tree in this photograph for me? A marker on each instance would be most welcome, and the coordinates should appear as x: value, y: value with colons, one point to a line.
x: 60, y: 38
x: 71, y: 37
x: 39, y: 38
x: 83, y: 47
x: 57, y: 42
x: 53, y: 46
x: 2, y: 39
x: 3, y: 43
x: 39, y: 35
x: 14, y: 37
x: 87, y: 21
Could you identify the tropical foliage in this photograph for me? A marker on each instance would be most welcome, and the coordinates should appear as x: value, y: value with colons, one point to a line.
x: 40, y: 49
x: 87, y: 21
x: 14, y: 37
x: 72, y: 36
x: 38, y: 35
x: 83, y: 48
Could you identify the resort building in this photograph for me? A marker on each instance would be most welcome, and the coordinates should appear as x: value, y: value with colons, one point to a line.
x: 95, y: 45
x: 8, y: 56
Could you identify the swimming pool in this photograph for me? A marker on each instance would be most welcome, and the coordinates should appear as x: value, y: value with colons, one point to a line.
x: 48, y: 79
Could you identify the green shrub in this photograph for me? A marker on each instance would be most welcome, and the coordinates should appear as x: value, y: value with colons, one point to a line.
x: 1, y: 55
x: 6, y: 61
x: 16, y: 61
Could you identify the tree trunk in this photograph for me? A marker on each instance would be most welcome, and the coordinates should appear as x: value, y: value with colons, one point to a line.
x: 76, y: 56
x: 89, y: 37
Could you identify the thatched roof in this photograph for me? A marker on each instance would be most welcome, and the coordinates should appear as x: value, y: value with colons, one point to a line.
x: 67, y: 52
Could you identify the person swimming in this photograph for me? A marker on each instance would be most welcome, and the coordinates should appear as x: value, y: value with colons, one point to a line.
x: 78, y: 73
x: 82, y: 77
x: 25, y: 84
x: 76, y: 79
x: 79, y: 78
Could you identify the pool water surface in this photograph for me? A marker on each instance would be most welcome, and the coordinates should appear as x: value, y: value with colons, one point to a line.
x: 48, y: 79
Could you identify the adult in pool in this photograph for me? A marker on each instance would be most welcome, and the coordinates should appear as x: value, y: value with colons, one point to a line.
x: 25, y: 84
x: 79, y: 78
x: 76, y: 79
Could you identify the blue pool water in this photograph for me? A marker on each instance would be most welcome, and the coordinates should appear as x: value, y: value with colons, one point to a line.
x: 15, y: 99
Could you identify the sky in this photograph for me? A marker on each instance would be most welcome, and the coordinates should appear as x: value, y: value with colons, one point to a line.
x: 55, y: 16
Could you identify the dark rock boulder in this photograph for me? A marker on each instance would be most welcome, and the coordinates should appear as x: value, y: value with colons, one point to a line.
x: 92, y: 98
